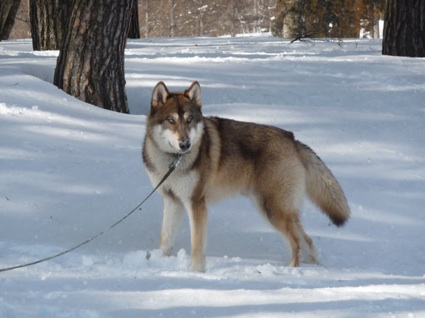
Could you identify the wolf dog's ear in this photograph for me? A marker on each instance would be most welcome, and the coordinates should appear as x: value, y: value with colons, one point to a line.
x: 194, y: 94
x: 159, y: 95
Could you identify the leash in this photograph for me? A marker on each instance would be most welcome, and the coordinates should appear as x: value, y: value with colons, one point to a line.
x: 172, y: 167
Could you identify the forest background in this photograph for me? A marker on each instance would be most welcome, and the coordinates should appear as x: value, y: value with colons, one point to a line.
x: 284, y: 18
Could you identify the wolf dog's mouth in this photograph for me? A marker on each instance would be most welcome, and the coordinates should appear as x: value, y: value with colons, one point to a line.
x: 180, y: 151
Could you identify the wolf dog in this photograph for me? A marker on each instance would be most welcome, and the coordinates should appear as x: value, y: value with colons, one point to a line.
x: 222, y: 157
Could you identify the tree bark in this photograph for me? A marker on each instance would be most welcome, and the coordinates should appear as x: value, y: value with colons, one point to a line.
x: 290, y: 19
x: 404, y: 28
x: 90, y: 65
x: 172, y: 5
x: 147, y: 12
x: 49, y: 20
x: 8, y: 10
x: 277, y: 24
x: 134, y: 32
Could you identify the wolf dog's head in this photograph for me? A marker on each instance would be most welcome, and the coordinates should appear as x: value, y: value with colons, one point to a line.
x: 175, y: 119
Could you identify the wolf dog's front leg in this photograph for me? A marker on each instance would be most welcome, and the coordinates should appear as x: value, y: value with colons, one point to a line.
x: 172, y: 217
x: 198, y: 228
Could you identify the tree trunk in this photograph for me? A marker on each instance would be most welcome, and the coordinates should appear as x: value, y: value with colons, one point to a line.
x: 404, y: 28
x: 8, y: 10
x: 172, y: 5
x: 90, y: 65
x: 49, y: 20
x: 234, y: 18
x: 277, y: 24
x: 134, y: 32
x: 294, y: 20
x: 147, y: 8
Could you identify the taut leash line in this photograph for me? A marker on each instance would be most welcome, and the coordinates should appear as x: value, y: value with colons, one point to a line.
x: 172, y: 167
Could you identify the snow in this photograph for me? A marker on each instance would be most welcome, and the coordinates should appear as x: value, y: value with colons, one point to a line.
x: 68, y: 170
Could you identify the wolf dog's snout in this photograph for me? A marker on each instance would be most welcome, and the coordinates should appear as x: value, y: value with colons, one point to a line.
x: 184, y: 144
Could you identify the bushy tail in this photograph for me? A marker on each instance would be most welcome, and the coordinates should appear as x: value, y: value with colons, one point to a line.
x: 322, y: 187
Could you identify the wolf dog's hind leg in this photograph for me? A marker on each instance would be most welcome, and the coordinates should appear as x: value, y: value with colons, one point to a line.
x: 284, y: 220
x: 286, y: 224
x: 172, y: 218
x: 312, y: 254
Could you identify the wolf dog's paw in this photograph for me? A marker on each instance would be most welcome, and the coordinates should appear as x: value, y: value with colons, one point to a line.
x: 198, y: 265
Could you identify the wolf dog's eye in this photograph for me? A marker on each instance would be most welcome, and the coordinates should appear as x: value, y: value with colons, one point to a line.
x: 189, y: 119
x: 171, y: 120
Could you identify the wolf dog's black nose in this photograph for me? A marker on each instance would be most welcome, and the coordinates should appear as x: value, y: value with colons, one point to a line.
x: 184, y: 145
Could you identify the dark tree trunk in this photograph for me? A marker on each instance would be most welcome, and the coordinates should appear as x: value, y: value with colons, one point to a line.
x: 294, y: 20
x: 134, y: 32
x: 8, y: 10
x: 404, y: 28
x: 49, y: 20
x: 234, y: 17
x: 90, y: 65
x: 277, y: 24
x: 290, y: 20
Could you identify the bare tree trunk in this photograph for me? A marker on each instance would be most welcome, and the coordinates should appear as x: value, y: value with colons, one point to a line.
x: 234, y: 20
x: 294, y: 20
x: 8, y: 10
x: 172, y: 5
x: 134, y: 32
x: 49, y: 20
x: 277, y: 24
x: 404, y: 28
x: 90, y: 65
x: 146, y: 8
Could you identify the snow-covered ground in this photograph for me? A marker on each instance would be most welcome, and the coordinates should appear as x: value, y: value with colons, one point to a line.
x: 68, y: 170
